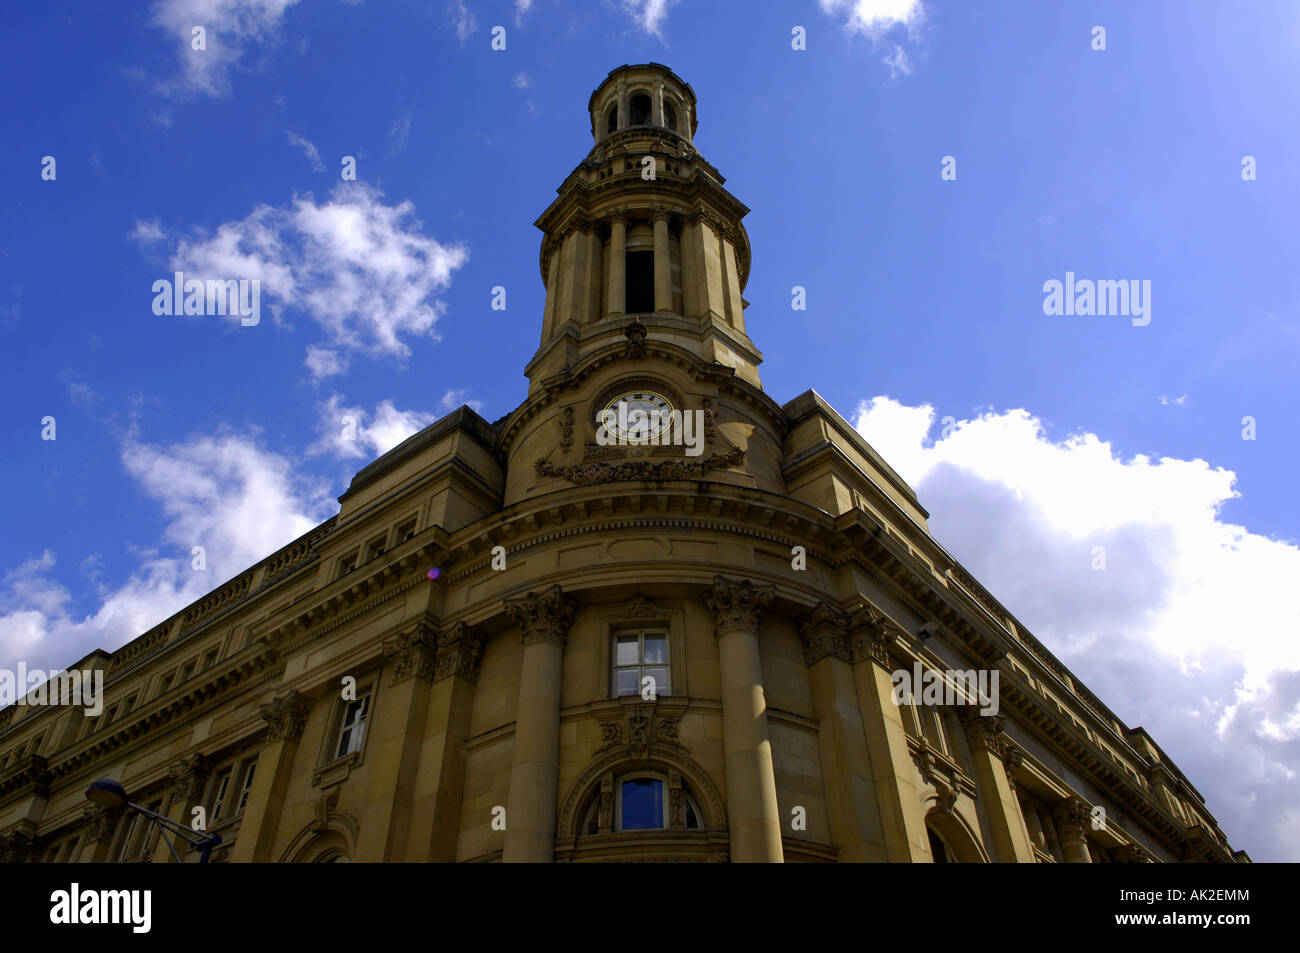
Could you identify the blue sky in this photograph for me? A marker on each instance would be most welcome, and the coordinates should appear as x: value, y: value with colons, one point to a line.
x: 925, y: 297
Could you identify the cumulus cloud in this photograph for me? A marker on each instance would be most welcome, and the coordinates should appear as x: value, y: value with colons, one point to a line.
x: 146, y: 232
x: 231, y: 29
x: 521, y: 7
x: 221, y: 491
x: 649, y: 15
x: 351, y: 432
x: 1185, y: 631
x: 363, y: 270
x: 455, y: 398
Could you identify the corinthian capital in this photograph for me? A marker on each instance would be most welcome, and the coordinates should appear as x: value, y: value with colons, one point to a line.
x: 186, y: 777
x: 737, y: 605
x: 1071, y: 816
x: 459, y: 648
x: 412, y: 653
x: 986, y: 733
x: 286, y: 716
x: 823, y: 632
x: 543, y: 616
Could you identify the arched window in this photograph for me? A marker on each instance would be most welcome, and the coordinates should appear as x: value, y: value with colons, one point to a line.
x: 642, y: 801
x: 611, y: 119
x: 670, y: 116
x: 640, y: 110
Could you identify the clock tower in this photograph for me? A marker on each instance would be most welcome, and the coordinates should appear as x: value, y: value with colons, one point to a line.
x: 645, y: 259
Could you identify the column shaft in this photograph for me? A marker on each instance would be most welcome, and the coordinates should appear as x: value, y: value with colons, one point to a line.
x: 618, y: 266
x: 663, y: 273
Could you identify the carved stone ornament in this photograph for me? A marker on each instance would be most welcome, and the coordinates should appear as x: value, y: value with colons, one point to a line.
x: 186, y: 777
x: 286, y: 716
x: 325, y: 805
x: 945, y: 795
x: 1128, y: 854
x: 1012, y: 759
x: 650, y: 471
x: 636, y: 334
x: 16, y: 847
x: 870, y: 635
x: 824, y: 632
x: 737, y: 605
x: 460, y: 648
x: 566, y: 430
x: 101, y: 822
x: 413, y: 653
x: 543, y: 616
x: 641, y: 608
x: 986, y: 733
x: 1072, y: 817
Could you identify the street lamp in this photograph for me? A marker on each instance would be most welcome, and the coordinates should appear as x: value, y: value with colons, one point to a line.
x: 108, y: 793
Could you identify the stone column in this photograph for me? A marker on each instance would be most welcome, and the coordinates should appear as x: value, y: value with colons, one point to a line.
x: 186, y: 779
x: 286, y: 717
x: 657, y: 105
x: 440, y: 787
x: 396, y: 728
x: 988, y: 744
x: 752, y: 810
x: 703, y: 269
x: 1072, y: 817
x: 846, y: 769
x: 618, y: 263
x: 544, y: 619
x: 663, y: 272
x: 898, y: 797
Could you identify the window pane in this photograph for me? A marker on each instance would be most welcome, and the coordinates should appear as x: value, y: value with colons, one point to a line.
x: 660, y: 675
x: 656, y: 649
x: 625, y: 682
x: 643, y: 805
x: 627, y: 650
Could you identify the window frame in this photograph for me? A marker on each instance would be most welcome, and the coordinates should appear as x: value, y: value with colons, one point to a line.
x: 661, y: 629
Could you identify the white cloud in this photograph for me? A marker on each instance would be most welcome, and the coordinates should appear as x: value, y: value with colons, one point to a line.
x: 308, y: 148
x: 362, y: 269
x: 875, y: 16
x: 1189, y: 630
x: 466, y: 22
x: 453, y: 399
x: 222, y: 492
x: 521, y: 7
x: 353, y: 433
x: 897, y: 62
x: 649, y: 15
x: 231, y: 29
x: 522, y: 81
x: 878, y: 20
x: 1165, y: 400
x: 146, y: 233
x: 400, y: 130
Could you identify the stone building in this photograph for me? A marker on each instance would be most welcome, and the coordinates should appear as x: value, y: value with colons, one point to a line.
x: 668, y: 633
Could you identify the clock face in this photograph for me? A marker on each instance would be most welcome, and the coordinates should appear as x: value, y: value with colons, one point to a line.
x: 636, y: 415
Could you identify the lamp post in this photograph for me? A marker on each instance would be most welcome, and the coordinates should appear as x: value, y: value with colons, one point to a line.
x: 110, y: 794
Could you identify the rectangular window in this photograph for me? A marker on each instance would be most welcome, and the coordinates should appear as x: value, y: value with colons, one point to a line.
x: 640, y: 282
x: 375, y: 547
x: 210, y: 659
x: 165, y: 683
x: 347, y: 564
x: 352, y: 728
x: 639, y: 655
x: 187, y: 670
x: 128, y: 835
x: 220, y: 791
x: 404, y: 532
x: 246, y: 785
